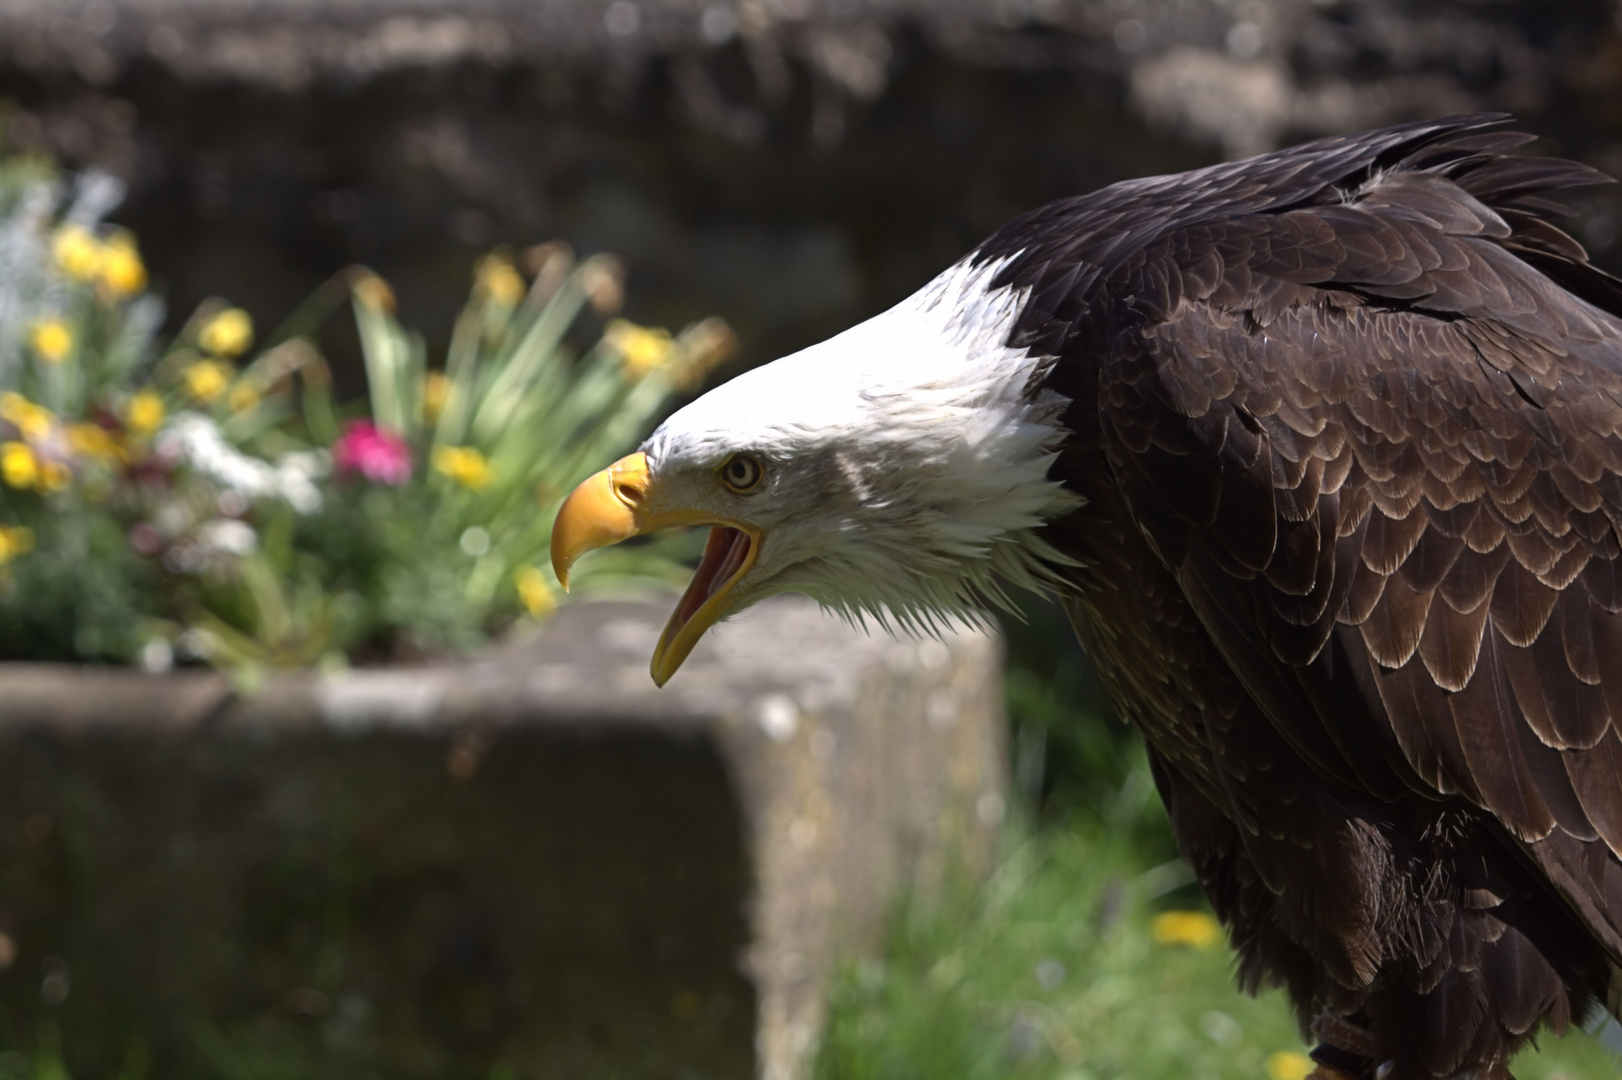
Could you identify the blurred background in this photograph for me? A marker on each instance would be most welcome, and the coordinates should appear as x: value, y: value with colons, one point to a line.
x: 792, y: 166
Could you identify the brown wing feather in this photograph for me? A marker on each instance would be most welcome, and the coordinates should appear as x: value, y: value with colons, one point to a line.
x: 1368, y: 417
x: 1483, y: 435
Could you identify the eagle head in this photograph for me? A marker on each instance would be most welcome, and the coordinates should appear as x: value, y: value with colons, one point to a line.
x: 897, y: 471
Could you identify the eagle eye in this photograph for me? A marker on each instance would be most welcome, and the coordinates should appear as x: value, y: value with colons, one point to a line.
x: 742, y: 473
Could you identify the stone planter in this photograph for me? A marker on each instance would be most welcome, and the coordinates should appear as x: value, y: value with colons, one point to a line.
x: 533, y: 865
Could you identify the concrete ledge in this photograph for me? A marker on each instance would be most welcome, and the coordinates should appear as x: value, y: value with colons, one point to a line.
x: 535, y: 862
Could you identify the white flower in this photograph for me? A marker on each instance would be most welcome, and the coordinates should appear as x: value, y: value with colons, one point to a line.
x: 296, y: 474
x: 197, y: 440
x: 228, y: 536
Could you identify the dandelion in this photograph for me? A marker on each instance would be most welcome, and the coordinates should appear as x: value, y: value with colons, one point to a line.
x: 243, y: 396
x: 52, y: 340
x: 206, y: 380
x: 227, y: 334
x: 373, y: 292
x: 92, y: 441
x: 18, y: 465
x: 145, y: 413
x: 15, y: 540
x: 499, y: 281
x: 78, y: 253
x: 1193, y: 928
x: 464, y: 465
x: 643, y: 348
x: 534, y: 592
x: 32, y: 421
x: 122, y: 271
x: 377, y: 455
x: 436, y: 390
x: 1289, y: 1065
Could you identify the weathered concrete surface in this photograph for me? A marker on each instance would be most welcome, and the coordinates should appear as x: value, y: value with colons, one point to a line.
x: 537, y: 862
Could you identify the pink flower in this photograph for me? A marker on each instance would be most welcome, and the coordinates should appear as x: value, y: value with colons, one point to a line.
x: 380, y: 456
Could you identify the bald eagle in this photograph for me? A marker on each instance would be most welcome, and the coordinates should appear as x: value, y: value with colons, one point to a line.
x: 1322, y: 453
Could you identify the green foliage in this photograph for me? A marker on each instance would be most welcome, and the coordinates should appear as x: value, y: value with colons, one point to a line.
x: 515, y: 420
x: 82, y: 594
x: 1052, y: 971
x: 75, y: 324
x: 1049, y: 970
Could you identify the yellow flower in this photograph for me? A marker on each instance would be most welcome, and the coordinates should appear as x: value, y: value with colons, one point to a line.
x: 373, y: 292
x: 54, y: 476
x: 1195, y: 928
x: 18, y: 465
x: 463, y: 464
x: 14, y: 541
x: 227, y: 334
x: 500, y: 282
x: 78, y: 252
x: 92, y: 441
x: 436, y: 390
x: 534, y: 592
x: 122, y: 271
x: 144, y: 415
x: 1289, y: 1065
x: 52, y: 340
x: 34, y: 421
x: 643, y: 348
x: 206, y: 380
x: 243, y: 396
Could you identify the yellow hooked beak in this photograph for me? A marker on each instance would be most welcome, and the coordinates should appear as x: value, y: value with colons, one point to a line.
x: 615, y: 505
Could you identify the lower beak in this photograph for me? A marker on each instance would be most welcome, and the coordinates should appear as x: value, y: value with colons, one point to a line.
x: 729, y: 555
x: 612, y: 506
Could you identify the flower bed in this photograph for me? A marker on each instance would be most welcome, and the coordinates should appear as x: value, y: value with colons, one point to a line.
x: 205, y: 498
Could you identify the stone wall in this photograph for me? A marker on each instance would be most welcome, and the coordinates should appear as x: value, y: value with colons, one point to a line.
x: 535, y: 862
x: 792, y: 165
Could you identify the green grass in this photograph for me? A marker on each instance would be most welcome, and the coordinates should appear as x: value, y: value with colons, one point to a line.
x: 1049, y: 972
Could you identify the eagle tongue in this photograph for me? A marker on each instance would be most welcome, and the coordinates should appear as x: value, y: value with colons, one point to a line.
x: 724, y: 554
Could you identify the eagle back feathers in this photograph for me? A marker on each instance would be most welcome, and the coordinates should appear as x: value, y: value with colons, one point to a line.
x: 1350, y: 417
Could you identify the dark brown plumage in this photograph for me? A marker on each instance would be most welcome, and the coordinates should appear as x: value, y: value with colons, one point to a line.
x: 1348, y: 421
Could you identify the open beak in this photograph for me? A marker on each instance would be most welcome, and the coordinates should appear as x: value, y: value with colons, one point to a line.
x: 612, y: 506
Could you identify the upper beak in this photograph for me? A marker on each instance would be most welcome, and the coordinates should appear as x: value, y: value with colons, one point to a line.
x: 612, y: 506
x: 605, y: 509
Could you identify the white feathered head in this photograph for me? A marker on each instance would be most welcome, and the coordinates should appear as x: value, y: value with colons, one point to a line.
x: 895, y: 471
